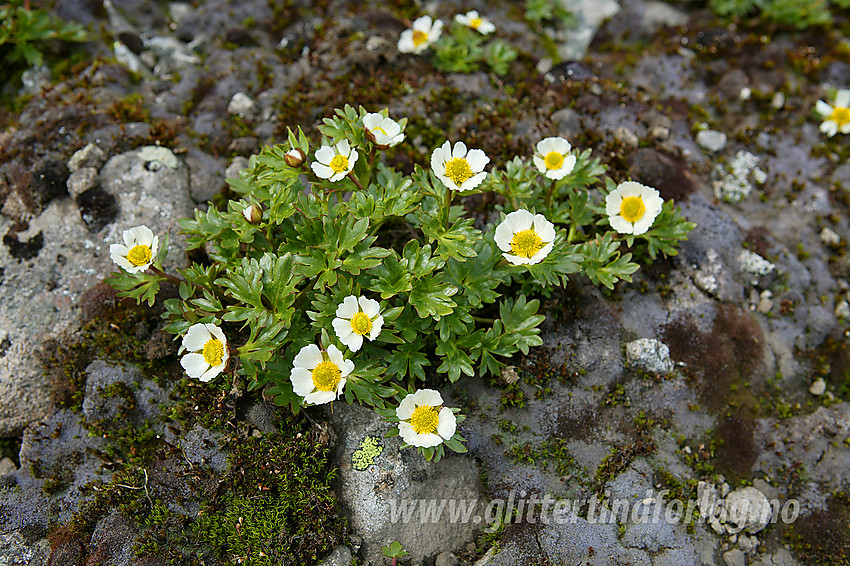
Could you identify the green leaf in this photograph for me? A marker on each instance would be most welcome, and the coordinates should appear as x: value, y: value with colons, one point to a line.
x: 603, y: 263
x: 457, y: 241
x: 455, y: 360
x: 520, y: 320
x: 391, y: 277
x: 477, y: 279
x: 406, y: 360
x: 431, y: 296
x: 667, y: 231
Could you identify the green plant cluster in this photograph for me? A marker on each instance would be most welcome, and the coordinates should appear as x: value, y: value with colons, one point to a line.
x: 464, y: 50
x: 800, y: 14
x: 451, y: 304
x: 23, y: 32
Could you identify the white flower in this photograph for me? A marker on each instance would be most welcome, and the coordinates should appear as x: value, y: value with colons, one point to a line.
x: 525, y: 238
x: 472, y: 20
x: 357, y: 317
x: 632, y: 207
x: 334, y: 162
x: 421, y: 34
x: 138, y: 252
x: 552, y: 158
x: 383, y: 132
x: 319, y: 375
x: 208, y: 353
x: 837, y: 118
x: 457, y: 169
x: 423, y: 421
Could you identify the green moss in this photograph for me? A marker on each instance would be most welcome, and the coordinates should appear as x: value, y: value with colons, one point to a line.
x: 512, y: 396
x: 552, y: 452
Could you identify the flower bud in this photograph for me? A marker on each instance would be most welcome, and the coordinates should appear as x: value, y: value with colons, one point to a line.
x: 253, y: 213
x: 295, y: 157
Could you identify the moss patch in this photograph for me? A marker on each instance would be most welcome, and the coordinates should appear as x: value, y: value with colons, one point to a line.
x: 823, y: 537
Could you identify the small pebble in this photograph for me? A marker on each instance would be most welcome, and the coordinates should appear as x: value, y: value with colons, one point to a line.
x: 818, y: 387
x: 829, y: 237
x: 711, y: 140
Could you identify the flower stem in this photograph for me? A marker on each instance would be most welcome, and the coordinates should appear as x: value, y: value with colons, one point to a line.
x: 356, y: 182
x: 572, y: 234
x: 448, y: 205
x: 549, y: 195
x: 483, y: 320
x: 173, y: 278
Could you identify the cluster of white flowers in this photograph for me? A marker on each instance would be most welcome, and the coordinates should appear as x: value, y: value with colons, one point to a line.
x: 425, y: 31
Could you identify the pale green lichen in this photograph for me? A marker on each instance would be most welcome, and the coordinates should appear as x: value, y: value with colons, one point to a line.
x: 370, y: 448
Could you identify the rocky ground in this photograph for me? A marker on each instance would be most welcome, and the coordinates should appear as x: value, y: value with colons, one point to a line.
x: 718, y: 375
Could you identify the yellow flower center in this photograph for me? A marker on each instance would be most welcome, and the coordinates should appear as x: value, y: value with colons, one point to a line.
x: 474, y: 23
x: 139, y: 255
x: 554, y: 160
x: 419, y: 37
x: 840, y: 116
x: 361, y: 323
x: 339, y: 163
x: 526, y: 243
x: 632, y: 209
x: 380, y: 129
x: 424, y: 419
x: 213, y: 352
x: 458, y: 170
x: 326, y: 376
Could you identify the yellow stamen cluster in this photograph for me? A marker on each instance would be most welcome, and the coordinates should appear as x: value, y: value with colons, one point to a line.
x: 632, y: 209
x: 424, y: 419
x: 339, y: 163
x: 526, y: 243
x: 419, y: 37
x: 458, y: 170
x: 139, y: 255
x: 840, y: 116
x: 361, y: 323
x: 213, y: 352
x: 554, y: 160
x: 326, y: 376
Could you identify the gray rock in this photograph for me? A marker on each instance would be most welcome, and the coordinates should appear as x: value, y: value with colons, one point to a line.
x: 238, y: 164
x: 589, y: 14
x: 711, y: 140
x: 626, y: 138
x: 82, y: 180
x: 734, y: 182
x: 341, y: 556
x: 398, y: 478
x: 446, y: 559
x: 90, y: 156
x: 659, y: 14
x: 650, y: 355
x: 747, y: 509
x: 7, y: 466
x: 242, y: 105
x: 206, y: 175
x: 35, y: 79
x: 113, y: 541
x: 567, y: 123
x: 135, y: 400
x: 16, y: 551
x: 570, y: 543
x: 734, y: 558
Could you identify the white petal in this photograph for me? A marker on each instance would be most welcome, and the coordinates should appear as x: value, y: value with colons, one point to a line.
x: 302, y: 381
x: 620, y: 224
x: 371, y: 307
x: 516, y: 260
x: 422, y: 23
x: 613, y: 202
x: 342, y: 329
x: 544, y: 228
x: 463, y: 20
x: 325, y: 154
x: 428, y: 397
x: 446, y: 423
x: 569, y: 164
x: 341, y: 385
x: 352, y: 158
x: 830, y: 128
x: 477, y: 159
x: 118, y: 252
x: 337, y: 176
x: 539, y: 163
x: 845, y: 129
x: 348, y: 307
x: 353, y: 340
x: 211, y: 373
x: 642, y: 225
x: 486, y: 27
x: 405, y: 431
x: 426, y: 440
x: 377, y: 324
x: 459, y: 150
x: 322, y: 171
x: 405, y: 409
x: 520, y: 220
x: 320, y: 397
x: 473, y: 182
x: 335, y: 356
x: 823, y: 108
x: 372, y: 120
x: 503, y: 236
x: 196, y: 337
x: 436, y: 30
x: 405, y: 42
x: 630, y: 189
x: 541, y: 254
x: 346, y: 368
x: 308, y: 357
x: 194, y: 364
x: 842, y: 98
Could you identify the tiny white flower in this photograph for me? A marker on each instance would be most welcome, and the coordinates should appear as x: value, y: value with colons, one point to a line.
x: 383, y: 132
x: 334, y: 162
x: 138, y: 252
x: 458, y: 169
x: 357, y: 317
x: 420, y: 36
x: 525, y: 238
x: 472, y: 20
x: 836, y: 117
x: 552, y: 158
x: 632, y: 207
x: 208, y: 352
x: 319, y: 375
x: 423, y: 421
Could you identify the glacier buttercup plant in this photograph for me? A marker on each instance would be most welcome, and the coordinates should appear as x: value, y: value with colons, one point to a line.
x: 207, y: 351
x: 422, y: 33
x: 473, y: 20
x: 382, y: 131
x: 552, y: 158
x: 632, y: 207
x: 138, y: 251
x: 836, y: 117
x: 368, y: 291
